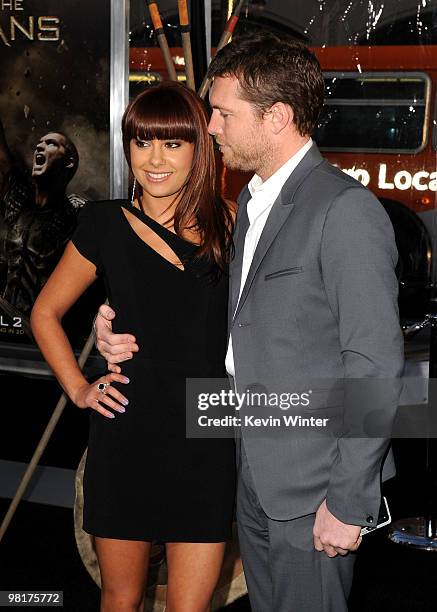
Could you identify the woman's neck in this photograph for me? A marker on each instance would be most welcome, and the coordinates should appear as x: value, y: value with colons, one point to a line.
x: 156, y: 209
x: 161, y: 211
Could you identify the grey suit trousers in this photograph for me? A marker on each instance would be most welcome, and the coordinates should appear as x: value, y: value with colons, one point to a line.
x: 284, y: 572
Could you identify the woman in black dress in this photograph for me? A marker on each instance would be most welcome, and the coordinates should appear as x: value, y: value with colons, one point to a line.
x: 163, y: 258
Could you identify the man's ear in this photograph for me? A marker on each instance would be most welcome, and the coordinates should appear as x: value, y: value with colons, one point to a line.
x: 281, y: 116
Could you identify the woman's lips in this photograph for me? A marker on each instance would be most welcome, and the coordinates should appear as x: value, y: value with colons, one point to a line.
x: 158, y: 177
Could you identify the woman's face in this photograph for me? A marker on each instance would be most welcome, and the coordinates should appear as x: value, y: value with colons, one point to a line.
x: 161, y: 167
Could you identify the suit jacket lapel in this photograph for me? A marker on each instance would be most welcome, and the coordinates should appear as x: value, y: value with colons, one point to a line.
x: 282, y: 208
x: 241, y: 227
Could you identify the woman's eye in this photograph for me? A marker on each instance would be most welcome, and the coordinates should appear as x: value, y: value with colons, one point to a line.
x: 173, y: 145
x: 141, y: 143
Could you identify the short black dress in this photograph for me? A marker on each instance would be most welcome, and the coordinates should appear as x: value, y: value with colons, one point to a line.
x: 144, y: 479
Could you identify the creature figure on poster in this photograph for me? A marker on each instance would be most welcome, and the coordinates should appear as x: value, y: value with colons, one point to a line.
x: 37, y: 218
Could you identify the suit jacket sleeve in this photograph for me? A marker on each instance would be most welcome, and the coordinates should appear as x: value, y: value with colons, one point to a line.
x: 358, y: 259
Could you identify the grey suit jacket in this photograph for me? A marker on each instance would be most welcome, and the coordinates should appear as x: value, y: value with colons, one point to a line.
x: 320, y: 301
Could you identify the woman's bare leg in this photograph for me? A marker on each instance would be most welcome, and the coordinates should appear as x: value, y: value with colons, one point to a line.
x: 123, y: 567
x: 193, y: 573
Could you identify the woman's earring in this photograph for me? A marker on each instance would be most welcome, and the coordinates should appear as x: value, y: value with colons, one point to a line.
x: 134, y: 188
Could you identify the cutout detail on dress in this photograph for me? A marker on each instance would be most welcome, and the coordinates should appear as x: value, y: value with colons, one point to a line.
x: 150, y: 238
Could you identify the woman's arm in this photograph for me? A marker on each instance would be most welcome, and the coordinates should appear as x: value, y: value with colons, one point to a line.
x: 71, y: 277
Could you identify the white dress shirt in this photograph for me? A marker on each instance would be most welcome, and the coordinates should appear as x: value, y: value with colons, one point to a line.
x: 258, y: 210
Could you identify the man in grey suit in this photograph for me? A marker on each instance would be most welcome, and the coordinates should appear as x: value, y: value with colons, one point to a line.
x: 313, y: 295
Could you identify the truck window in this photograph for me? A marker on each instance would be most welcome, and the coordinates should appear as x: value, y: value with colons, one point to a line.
x: 373, y: 112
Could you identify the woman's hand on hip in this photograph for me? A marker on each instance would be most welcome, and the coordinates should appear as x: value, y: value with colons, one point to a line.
x: 100, y: 395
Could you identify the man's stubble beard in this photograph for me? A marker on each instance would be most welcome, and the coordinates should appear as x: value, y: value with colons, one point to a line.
x: 250, y: 158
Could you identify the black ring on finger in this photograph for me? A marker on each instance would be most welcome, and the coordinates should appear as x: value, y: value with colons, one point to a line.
x: 102, y: 386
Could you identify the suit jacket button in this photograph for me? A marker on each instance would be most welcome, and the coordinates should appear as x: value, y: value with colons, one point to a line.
x: 369, y: 519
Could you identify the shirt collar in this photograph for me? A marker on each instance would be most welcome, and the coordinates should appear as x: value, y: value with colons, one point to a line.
x: 273, y: 185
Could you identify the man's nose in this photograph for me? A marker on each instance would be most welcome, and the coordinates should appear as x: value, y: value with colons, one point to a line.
x: 213, y: 125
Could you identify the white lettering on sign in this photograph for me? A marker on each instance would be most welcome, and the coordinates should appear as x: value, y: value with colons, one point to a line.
x: 358, y: 174
x: 382, y: 183
x: 402, y: 179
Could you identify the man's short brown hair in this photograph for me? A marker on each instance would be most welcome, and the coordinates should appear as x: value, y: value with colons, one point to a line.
x: 272, y: 69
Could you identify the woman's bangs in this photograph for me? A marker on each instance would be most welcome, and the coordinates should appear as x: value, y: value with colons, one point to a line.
x: 164, y: 118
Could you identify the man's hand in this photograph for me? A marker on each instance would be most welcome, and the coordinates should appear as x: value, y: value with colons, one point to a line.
x: 115, y: 348
x: 332, y: 536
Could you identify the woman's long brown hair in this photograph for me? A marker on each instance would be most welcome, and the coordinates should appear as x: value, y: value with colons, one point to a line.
x: 171, y: 111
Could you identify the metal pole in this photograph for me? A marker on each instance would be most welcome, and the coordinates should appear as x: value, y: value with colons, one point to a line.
x: 225, y: 38
x: 119, y: 94
x: 162, y: 39
x: 186, y: 42
x: 42, y: 445
x: 208, y: 29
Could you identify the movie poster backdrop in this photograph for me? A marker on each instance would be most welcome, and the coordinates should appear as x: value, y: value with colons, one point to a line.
x: 54, y: 147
